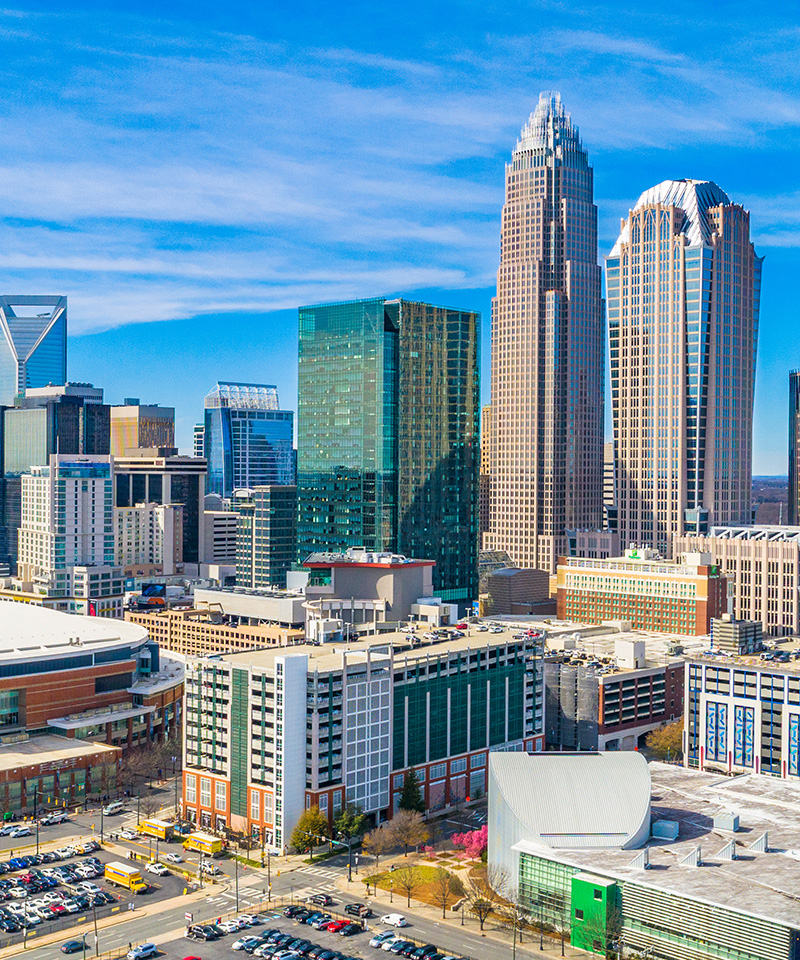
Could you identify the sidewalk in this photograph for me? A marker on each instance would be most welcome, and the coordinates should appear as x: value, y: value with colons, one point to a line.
x: 493, y: 931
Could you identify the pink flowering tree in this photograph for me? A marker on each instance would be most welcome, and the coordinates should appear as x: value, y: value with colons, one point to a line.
x: 472, y: 842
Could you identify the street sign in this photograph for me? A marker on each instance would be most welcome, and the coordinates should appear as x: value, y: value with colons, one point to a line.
x: 188, y: 917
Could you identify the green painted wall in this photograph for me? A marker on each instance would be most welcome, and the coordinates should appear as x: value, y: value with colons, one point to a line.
x: 591, y: 920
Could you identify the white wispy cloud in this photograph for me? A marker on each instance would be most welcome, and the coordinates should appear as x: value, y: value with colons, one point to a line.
x: 164, y: 170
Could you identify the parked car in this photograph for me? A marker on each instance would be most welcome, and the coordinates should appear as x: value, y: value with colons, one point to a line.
x: 349, y: 929
x: 143, y: 951
x: 291, y: 911
x: 398, y: 947
x: 381, y: 938
x: 302, y: 915
x: 157, y: 868
x: 395, y: 920
x: 320, y: 921
x: 242, y: 942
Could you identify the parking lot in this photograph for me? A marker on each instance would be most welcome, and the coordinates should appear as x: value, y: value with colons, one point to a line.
x: 319, y: 944
x: 60, y: 889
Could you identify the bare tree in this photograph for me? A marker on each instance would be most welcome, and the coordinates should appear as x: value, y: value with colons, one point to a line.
x: 446, y: 886
x: 379, y: 842
x: 407, y: 880
x: 481, y: 891
x: 150, y: 805
x: 409, y: 829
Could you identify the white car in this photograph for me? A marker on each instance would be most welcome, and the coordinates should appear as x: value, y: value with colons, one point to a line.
x: 20, y: 832
x: 88, y: 887
x: 157, y: 868
x: 251, y: 919
x: 70, y: 906
x: 380, y: 938
x: 172, y: 857
x: 229, y: 926
x: 65, y: 852
x: 128, y: 834
x: 395, y: 920
x: 143, y: 951
x: 242, y: 942
x: 18, y: 893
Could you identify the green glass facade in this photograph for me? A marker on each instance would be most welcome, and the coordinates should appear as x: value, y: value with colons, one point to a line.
x: 564, y: 898
x: 266, y: 535
x: 388, y: 434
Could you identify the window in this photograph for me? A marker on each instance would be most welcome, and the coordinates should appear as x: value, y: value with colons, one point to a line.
x: 398, y: 781
x: 205, y: 792
x: 458, y: 766
x: 598, y: 894
x: 255, y: 805
x: 479, y: 761
x: 438, y: 770
x: 578, y: 914
x: 191, y: 789
x: 268, y: 807
x: 323, y: 803
x: 220, y: 795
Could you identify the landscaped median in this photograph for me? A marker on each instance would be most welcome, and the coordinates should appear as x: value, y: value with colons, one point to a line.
x: 434, y: 885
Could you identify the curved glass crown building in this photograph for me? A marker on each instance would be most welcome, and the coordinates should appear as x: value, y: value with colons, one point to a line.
x: 683, y: 284
x: 547, y: 347
x: 247, y: 438
x: 33, y: 344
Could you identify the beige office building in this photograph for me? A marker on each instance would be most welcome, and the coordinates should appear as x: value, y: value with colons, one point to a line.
x: 135, y: 425
x: 547, y: 347
x: 682, y: 293
x: 485, y: 486
x: 763, y: 568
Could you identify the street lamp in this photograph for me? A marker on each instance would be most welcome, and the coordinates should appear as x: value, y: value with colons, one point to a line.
x: 390, y: 890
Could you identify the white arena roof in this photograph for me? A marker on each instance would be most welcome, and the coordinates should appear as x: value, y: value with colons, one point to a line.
x: 573, y: 801
x: 31, y: 632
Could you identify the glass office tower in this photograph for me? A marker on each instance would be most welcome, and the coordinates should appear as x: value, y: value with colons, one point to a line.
x: 388, y: 434
x: 683, y: 285
x: 247, y: 438
x: 33, y: 344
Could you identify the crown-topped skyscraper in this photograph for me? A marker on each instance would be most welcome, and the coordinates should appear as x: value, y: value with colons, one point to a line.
x: 547, y: 347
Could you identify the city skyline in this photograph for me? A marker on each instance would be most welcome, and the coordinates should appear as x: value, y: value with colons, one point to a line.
x: 186, y: 190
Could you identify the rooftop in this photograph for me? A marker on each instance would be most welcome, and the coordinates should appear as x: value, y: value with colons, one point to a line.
x: 547, y: 794
x: 28, y: 631
x: 49, y: 749
x: 329, y: 656
x: 788, y: 645
x: 765, y: 884
x: 357, y: 556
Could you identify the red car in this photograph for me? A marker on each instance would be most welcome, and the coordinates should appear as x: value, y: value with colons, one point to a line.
x: 335, y: 925
x: 462, y: 626
x: 57, y: 908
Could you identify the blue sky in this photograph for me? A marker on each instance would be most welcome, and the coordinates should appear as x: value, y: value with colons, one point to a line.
x: 188, y: 181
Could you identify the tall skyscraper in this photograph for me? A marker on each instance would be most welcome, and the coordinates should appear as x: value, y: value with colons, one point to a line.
x: 198, y: 440
x: 135, y: 425
x: 547, y: 347
x: 485, y: 483
x: 794, y: 447
x: 33, y: 344
x: 247, y: 438
x: 683, y: 285
x: 388, y: 427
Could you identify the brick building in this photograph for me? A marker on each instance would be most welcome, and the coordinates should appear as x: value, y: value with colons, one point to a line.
x: 644, y: 590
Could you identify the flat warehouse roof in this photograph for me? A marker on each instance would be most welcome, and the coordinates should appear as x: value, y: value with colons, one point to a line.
x: 48, y: 749
x: 764, y: 884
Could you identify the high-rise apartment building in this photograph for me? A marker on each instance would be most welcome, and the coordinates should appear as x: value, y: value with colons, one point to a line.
x: 388, y: 427
x: 66, y: 539
x: 149, y: 539
x: 160, y: 475
x: 266, y: 536
x: 33, y: 344
x: 135, y: 425
x: 68, y: 419
x: 683, y: 285
x: 547, y: 347
x: 794, y: 446
x: 271, y: 732
x: 247, y: 438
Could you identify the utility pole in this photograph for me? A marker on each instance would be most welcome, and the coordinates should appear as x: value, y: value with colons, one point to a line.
x: 101, y: 824
x: 96, y: 936
x: 236, y: 871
